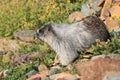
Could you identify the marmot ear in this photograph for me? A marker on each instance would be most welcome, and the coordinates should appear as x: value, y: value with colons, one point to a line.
x: 48, y: 27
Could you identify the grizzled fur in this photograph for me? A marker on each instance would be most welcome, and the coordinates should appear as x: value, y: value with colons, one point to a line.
x: 69, y: 39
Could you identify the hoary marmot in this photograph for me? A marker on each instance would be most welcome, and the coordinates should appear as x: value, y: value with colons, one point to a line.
x: 69, y: 39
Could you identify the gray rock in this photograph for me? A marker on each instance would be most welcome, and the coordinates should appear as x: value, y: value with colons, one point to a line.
x: 85, y: 10
x: 46, y: 78
x: 91, y: 7
x: 32, y: 72
x: 114, y: 55
x: 113, y: 78
x: 95, y: 57
x: 55, y: 69
x: 25, y: 35
x: 52, y: 77
x: 106, y: 56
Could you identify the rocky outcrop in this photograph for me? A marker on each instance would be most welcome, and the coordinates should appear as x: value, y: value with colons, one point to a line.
x: 100, y: 68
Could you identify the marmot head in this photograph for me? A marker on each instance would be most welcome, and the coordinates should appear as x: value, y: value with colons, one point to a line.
x: 43, y: 32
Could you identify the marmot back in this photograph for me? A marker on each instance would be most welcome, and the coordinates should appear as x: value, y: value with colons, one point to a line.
x: 69, y: 39
x: 97, y: 27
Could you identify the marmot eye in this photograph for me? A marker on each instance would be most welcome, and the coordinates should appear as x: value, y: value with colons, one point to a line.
x: 40, y: 31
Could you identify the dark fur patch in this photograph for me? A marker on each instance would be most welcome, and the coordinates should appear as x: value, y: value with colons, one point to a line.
x: 97, y: 26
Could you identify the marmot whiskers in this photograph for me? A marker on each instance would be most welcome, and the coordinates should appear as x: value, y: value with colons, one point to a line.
x: 69, y: 39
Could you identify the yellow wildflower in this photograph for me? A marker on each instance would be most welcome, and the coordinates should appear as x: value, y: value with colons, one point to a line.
x: 68, y: 1
x: 42, y: 18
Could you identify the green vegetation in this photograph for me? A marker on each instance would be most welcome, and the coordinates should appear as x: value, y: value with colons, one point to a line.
x: 112, y: 46
x: 17, y: 15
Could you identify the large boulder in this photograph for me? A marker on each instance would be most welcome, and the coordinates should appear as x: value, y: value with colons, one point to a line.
x: 100, y: 67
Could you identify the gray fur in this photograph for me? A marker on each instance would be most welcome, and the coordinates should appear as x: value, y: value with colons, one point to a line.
x: 69, y: 39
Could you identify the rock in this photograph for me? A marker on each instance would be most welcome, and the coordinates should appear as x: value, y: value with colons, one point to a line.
x: 91, y: 7
x: 112, y: 56
x: 116, y: 1
x: 73, y: 78
x: 85, y: 10
x: 18, y: 59
x: 75, y: 16
x: 35, y: 77
x: 26, y: 35
x: 99, y: 67
x: 69, y: 67
x: 99, y: 56
x: 46, y: 78
x: 105, y: 10
x: 8, y: 45
x: 55, y: 69
x: 115, y: 10
x: 44, y: 73
x: 41, y: 76
x: 112, y: 76
x: 66, y: 76
x: 99, y: 3
x: 25, y: 58
x: 111, y: 23
x: 61, y: 79
x: 84, y: 60
x: 31, y: 73
x: 42, y: 68
x: 52, y: 77
x: 36, y: 54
